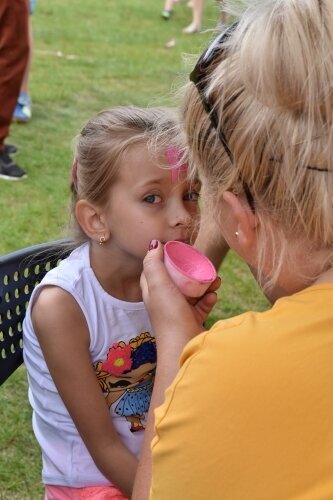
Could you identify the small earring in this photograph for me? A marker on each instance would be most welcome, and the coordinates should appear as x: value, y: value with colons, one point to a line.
x: 102, y: 240
x: 236, y: 234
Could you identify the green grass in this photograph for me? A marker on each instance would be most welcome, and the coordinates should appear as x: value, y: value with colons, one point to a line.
x: 109, y: 53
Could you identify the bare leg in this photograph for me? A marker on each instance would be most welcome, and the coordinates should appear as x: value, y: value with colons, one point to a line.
x: 168, y: 4
x: 168, y: 9
x: 223, y: 16
x: 197, y: 12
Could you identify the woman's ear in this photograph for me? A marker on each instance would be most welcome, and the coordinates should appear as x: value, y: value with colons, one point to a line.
x: 91, y: 220
x: 243, y: 219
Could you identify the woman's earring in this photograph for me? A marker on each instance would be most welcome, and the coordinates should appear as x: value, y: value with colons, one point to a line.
x: 236, y: 234
x: 102, y: 240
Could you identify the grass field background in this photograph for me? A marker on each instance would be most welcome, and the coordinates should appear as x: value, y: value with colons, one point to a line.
x: 88, y: 55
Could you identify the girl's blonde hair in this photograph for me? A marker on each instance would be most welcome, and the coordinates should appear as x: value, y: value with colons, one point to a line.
x: 102, y: 145
x: 272, y: 88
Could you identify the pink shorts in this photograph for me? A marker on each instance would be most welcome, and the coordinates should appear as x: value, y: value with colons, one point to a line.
x: 86, y: 493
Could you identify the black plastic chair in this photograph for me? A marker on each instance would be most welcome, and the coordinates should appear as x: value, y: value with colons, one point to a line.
x: 20, y: 272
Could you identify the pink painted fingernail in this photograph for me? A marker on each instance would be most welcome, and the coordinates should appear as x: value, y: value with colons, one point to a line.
x: 153, y: 244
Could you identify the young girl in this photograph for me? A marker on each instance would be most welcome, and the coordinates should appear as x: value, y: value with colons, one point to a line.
x: 88, y: 344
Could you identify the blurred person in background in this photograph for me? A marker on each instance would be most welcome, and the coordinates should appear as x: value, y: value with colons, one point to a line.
x: 14, y: 50
x: 22, y: 112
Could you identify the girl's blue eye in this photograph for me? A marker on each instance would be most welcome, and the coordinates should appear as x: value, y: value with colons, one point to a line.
x: 152, y: 198
x: 192, y: 196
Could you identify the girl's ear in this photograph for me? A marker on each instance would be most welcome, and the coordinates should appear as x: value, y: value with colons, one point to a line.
x: 244, y: 221
x: 91, y: 220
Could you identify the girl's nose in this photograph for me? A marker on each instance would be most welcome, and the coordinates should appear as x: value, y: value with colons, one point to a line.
x: 181, y: 217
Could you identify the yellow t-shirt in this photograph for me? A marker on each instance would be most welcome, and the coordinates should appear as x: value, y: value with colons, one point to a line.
x: 250, y: 413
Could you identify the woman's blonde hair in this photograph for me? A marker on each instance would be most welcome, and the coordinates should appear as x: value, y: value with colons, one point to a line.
x: 102, y: 145
x: 272, y: 88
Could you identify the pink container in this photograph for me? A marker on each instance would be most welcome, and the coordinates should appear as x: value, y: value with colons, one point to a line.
x: 188, y: 268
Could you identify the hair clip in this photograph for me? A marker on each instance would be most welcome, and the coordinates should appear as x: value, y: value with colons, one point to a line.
x: 174, y: 156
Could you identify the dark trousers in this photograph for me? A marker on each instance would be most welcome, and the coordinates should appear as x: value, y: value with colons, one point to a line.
x: 14, y: 49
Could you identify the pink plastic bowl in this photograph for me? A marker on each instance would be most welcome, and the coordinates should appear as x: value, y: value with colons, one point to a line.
x: 188, y: 268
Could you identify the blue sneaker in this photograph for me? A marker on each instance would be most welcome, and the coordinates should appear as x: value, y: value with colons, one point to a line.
x: 32, y: 6
x: 22, y: 112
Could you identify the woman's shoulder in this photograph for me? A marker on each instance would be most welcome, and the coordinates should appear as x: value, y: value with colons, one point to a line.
x: 270, y: 333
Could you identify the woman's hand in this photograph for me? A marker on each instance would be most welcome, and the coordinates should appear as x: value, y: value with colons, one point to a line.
x: 170, y: 312
x: 175, y: 321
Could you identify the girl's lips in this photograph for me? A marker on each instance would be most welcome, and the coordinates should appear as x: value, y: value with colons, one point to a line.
x: 181, y: 240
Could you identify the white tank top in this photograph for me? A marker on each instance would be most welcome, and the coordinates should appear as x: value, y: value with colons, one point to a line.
x: 120, y: 342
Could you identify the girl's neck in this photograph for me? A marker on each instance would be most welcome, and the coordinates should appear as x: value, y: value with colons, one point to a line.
x: 118, y: 277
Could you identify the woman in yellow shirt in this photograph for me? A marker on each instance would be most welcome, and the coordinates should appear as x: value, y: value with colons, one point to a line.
x: 249, y: 415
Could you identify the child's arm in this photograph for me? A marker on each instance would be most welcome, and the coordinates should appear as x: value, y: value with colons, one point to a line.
x: 64, y: 339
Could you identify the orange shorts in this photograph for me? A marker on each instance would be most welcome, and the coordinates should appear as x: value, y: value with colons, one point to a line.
x: 86, y: 493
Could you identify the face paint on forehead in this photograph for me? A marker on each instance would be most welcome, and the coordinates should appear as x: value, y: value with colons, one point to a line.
x: 177, y: 169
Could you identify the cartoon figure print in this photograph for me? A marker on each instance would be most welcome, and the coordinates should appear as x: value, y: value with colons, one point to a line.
x: 127, y: 376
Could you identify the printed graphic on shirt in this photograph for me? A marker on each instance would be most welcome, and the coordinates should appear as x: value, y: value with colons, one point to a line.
x: 126, y: 378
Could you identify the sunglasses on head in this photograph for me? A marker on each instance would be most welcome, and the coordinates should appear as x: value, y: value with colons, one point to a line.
x: 199, y: 76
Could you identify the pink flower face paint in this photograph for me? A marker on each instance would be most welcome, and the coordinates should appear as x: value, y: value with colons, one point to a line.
x: 177, y: 169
